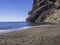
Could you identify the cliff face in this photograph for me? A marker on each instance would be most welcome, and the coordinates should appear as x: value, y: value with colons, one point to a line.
x: 42, y: 9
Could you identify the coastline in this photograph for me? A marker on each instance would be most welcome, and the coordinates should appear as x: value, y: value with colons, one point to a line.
x: 39, y: 35
x: 23, y: 28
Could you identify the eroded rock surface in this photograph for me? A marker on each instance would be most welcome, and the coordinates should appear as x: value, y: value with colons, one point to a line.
x: 42, y: 9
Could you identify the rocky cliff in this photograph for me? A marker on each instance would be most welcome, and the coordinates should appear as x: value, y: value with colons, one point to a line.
x: 44, y: 11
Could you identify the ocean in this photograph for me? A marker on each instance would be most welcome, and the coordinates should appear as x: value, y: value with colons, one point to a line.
x: 13, y: 26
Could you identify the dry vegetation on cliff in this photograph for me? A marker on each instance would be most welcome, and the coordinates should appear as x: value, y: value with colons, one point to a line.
x: 43, y: 9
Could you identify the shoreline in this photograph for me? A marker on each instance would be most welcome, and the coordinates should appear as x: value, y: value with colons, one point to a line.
x: 23, y: 28
x: 39, y: 35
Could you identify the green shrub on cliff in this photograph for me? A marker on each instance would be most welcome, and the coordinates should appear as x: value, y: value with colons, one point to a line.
x: 54, y: 18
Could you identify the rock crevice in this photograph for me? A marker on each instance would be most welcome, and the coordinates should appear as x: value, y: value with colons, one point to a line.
x: 42, y: 9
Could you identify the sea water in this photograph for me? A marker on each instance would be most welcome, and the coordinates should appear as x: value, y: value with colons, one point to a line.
x: 13, y: 26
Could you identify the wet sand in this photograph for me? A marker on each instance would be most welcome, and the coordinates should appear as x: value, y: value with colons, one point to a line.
x: 39, y: 35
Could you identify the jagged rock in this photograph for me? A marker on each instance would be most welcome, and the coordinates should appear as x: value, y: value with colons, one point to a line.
x: 42, y: 9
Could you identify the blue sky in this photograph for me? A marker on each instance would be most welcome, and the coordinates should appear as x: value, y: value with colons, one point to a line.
x: 14, y: 10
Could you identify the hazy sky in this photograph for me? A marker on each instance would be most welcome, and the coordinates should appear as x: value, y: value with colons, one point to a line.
x: 14, y: 10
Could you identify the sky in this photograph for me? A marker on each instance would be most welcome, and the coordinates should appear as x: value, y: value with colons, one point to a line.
x: 14, y: 10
